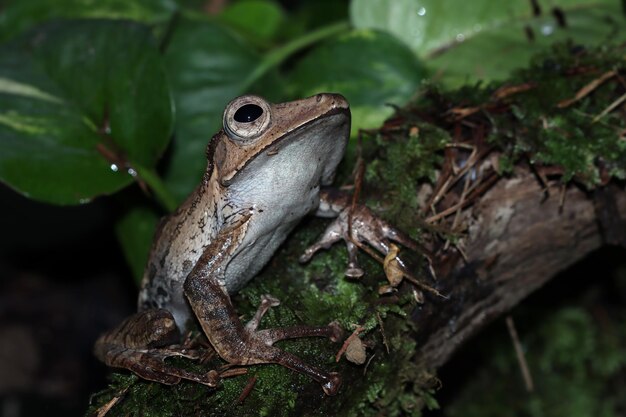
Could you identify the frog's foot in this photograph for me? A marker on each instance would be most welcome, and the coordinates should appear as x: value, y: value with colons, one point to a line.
x: 357, y: 226
x: 143, y: 342
x: 150, y: 364
x: 267, y: 302
x: 260, y: 347
x: 259, y: 350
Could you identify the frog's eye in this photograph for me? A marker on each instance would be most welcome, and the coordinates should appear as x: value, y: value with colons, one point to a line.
x: 248, y: 113
x: 246, y: 117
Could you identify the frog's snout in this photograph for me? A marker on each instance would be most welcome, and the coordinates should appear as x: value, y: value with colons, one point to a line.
x: 332, y: 100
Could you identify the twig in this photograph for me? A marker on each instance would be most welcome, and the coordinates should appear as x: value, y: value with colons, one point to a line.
x: 247, y: 389
x: 102, y: 411
x: 457, y: 216
x: 475, y: 190
x: 368, y: 364
x: 609, y: 109
x: 382, y: 331
x: 521, y: 358
x: 562, y: 199
x: 358, y: 183
x: 587, y: 89
x: 407, y: 274
x: 509, y: 90
x: 450, y: 181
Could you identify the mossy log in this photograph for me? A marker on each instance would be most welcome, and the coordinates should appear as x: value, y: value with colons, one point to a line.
x: 503, y: 186
x: 520, y: 235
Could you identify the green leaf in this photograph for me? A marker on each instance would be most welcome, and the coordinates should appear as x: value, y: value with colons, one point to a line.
x: 208, y: 66
x: 371, y: 69
x: 135, y: 230
x: 494, y: 54
x: 485, y: 39
x: 19, y: 15
x: 311, y: 15
x: 259, y: 20
x: 80, y: 100
x: 428, y: 25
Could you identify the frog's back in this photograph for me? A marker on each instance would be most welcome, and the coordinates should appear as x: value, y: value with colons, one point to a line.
x: 177, y: 245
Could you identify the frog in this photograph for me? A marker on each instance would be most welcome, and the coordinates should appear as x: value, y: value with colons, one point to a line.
x: 268, y: 167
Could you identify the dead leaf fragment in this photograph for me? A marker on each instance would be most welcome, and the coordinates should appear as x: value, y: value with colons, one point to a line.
x: 355, y: 352
x: 392, y: 268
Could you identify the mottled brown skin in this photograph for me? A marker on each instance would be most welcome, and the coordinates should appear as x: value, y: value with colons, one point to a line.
x: 143, y: 342
x: 264, y: 174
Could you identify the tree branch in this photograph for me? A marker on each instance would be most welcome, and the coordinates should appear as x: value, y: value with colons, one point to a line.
x: 518, y: 239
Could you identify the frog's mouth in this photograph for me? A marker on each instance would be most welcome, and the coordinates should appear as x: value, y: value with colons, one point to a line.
x: 319, y: 144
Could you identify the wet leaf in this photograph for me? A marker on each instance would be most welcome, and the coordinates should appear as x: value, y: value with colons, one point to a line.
x: 208, y: 66
x: 19, y: 15
x: 484, y: 39
x: 260, y: 20
x: 78, y: 98
x: 370, y: 68
x: 135, y: 230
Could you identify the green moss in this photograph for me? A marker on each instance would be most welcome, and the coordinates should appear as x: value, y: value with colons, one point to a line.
x: 536, y: 125
x: 397, y: 162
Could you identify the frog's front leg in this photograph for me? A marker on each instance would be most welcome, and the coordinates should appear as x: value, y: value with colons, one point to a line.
x: 234, y: 342
x: 355, y: 225
x: 141, y: 344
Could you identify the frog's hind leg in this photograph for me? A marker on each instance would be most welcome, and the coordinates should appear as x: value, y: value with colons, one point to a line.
x: 236, y: 343
x: 243, y: 345
x: 142, y: 343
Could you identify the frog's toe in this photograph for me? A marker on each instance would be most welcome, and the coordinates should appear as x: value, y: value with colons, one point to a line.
x: 332, y: 385
x: 360, y: 228
x: 267, y: 301
x: 353, y: 270
x: 333, y: 233
x: 270, y: 300
x: 336, y: 332
x: 153, y: 375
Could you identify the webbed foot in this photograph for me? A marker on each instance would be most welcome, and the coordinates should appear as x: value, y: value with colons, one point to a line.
x: 261, y: 350
x: 358, y: 226
x: 141, y: 344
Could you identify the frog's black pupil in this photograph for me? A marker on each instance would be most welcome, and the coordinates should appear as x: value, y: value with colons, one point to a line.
x: 248, y: 113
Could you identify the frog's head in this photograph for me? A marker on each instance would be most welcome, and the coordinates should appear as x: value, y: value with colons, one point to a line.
x: 293, y: 144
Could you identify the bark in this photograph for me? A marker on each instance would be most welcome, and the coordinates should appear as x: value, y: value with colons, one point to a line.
x: 519, y: 237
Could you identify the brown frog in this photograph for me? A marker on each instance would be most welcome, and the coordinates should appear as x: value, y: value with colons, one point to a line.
x: 265, y: 171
